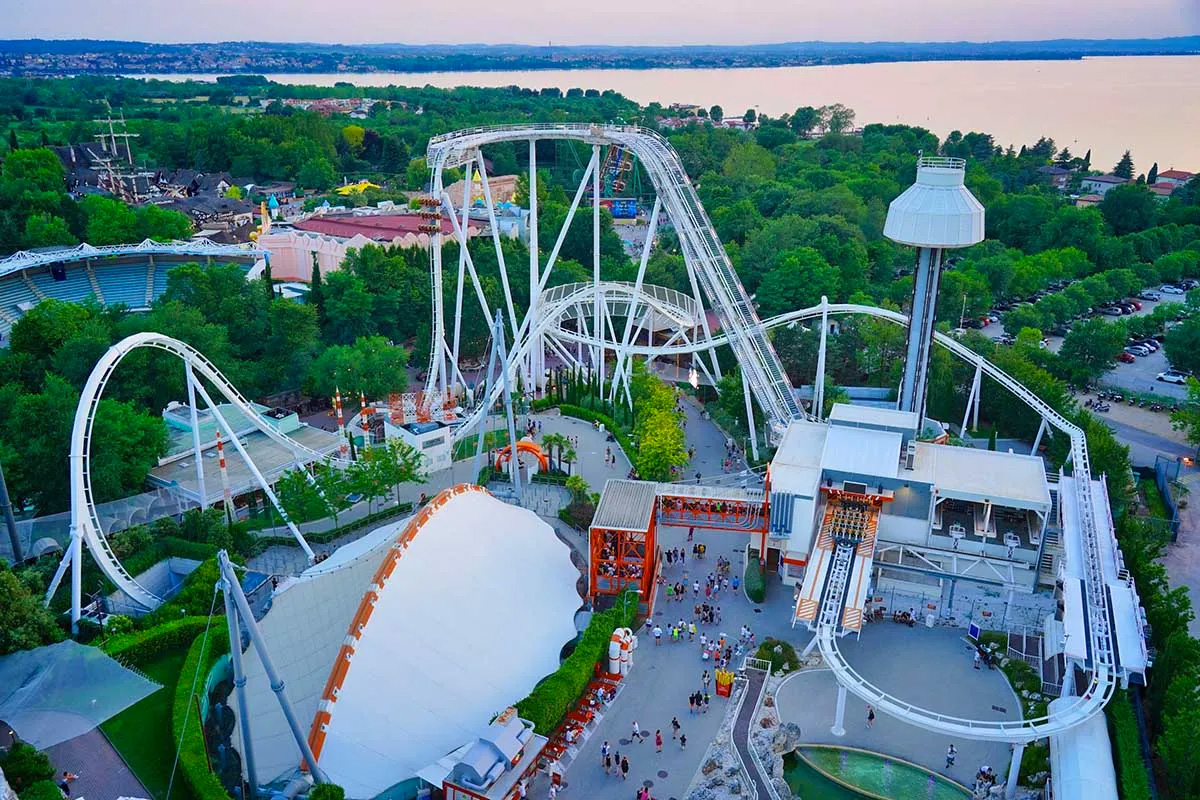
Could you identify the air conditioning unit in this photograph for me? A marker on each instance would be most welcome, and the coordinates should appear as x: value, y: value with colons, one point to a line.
x: 910, y: 455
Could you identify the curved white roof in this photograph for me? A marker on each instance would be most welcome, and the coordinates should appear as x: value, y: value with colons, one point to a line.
x: 466, y: 613
x: 1081, y: 759
x: 937, y: 210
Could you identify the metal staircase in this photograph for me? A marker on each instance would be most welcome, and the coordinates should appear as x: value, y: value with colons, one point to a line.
x: 95, y: 284
x: 33, y: 287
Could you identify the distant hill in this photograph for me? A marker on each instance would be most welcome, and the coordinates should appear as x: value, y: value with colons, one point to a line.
x: 73, y: 56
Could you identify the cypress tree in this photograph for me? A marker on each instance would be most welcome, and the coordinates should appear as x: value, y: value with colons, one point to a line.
x: 316, y: 293
x: 1152, y: 176
x: 1087, y: 160
x: 45, y: 140
x: 13, y: 144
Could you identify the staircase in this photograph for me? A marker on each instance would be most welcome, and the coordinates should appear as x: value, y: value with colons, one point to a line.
x: 33, y: 287
x: 91, y: 273
x: 1051, y: 552
x: 150, y: 283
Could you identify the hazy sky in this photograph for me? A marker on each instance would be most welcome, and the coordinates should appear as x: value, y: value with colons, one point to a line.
x: 608, y: 22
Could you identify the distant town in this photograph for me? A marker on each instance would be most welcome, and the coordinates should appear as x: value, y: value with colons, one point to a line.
x: 48, y: 58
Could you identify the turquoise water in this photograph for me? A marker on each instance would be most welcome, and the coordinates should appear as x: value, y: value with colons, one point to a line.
x: 876, y: 775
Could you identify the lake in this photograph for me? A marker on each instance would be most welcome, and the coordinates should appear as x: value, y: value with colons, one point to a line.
x: 1149, y: 104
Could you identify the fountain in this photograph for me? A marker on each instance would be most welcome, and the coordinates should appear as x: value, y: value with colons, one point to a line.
x: 826, y: 772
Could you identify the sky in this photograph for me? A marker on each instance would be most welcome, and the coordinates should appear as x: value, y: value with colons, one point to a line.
x: 662, y: 22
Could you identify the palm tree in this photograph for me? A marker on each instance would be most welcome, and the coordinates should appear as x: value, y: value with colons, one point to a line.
x: 568, y: 455
x: 555, y: 443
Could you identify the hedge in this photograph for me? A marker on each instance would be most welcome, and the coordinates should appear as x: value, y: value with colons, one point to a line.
x: 42, y: 790
x: 193, y: 758
x: 139, y: 647
x: 324, y: 537
x: 755, y: 580
x: 25, y: 766
x: 1127, y: 749
x: 587, y: 415
x: 552, y: 698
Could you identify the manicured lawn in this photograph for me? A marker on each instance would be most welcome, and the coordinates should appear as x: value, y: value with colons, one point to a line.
x: 142, y: 732
x: 1154, y: 500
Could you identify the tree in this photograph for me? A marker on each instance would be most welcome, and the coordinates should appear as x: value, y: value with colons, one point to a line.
x: 32, y: 180
x: 316, y: 291
x: 748, y: 160
x: 25, y: 623
x: 799, y: 281
x: 1183, y: 345
x: 347, y: 308
x: 45, y: 230
x: 163, y: 225
x: 1124, y: 167
x: 1023, y: 317
x: 1187, y: 418
x: 353, y: 136
x: 1129, y: 208
x: 716, y: 113
x: 1152, y: 175
x: 751, y: 115
x: 1090, y: 348
x: 13, y: 144
x: 837, y: 118
x: 317, y: 173
x: 1087, y: 160
x: 109, y: 221
x: 804, y: 119
x: 369, y: 365
x: 662, y: 448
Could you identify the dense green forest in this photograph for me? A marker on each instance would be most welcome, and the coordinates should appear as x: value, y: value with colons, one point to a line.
x: 801, y: 216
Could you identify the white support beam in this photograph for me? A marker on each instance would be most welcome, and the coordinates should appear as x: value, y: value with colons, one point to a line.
x: 537, y: 354
x: 491, y: 211
x: 647, y: 247
x: 818, y: 403
x: 598, y: 347
x: 461, y: 230
x: 197, y: 451
x: 750, y: 418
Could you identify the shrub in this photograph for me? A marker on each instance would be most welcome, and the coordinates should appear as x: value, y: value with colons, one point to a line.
x: 42, y: 790
x: 25, y: 766
x: 193, y: 758
x: 587, y: 415
x: 1127, y: 749
x: 786, y: 654
x: 755, y: 580
x: 327, y: 791
x: 139, y: 647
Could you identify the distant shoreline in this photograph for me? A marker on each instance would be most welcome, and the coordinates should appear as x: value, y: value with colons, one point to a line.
x: 50, y: 58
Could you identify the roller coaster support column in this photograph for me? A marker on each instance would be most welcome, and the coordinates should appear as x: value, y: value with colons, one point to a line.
x: 598, y: 304
x: 514, y: 463
x: 537, y: 353
x: 260, y: 647
x: 839, y: 728
x: 818, y: 402
x: 750, y: 418
x: 1014, y: 770
x: 9, y: 522
x: 935, y: 213
x: 191, y: 387
x: 258, y: 476
x: 239, y: 680
x: 624, y: 368
x: 973, y: 400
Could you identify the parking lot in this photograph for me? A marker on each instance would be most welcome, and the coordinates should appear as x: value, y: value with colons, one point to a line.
x: 1136, y: 377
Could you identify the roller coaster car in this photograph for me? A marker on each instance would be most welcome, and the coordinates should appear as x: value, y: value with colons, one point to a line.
x: 429, y: 201
x: 429, y: 214
x: 429, y: 228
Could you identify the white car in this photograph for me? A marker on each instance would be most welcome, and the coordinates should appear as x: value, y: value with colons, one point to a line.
x: 1150, y: 296
x: 1171, y: 376
x: 1167, y: 288
x: 1138, y: 350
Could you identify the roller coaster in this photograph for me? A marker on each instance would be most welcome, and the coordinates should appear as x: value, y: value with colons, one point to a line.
x: 575, y: 323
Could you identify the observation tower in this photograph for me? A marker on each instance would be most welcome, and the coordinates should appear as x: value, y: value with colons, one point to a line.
x: 935, y: 214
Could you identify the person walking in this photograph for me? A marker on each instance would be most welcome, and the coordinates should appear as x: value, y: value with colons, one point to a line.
x: 691, y: 704
x: 637, y: 732
x: 977, y: 658
x: 608, y: 765
x: 657, y: 635
x: 951, y: 754
x: 674, y: 727
x: 624, y: 768
x: 64, y: 782
x: 552, y: 792
x: 683, y: 741
x: 604, y: 751
x: 870, y: 716
x: 691, y: 631
x: 658, y: 741
x: 705, y: 679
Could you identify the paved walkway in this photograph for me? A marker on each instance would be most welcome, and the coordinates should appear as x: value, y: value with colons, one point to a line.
x: 103, y: 774
x: 755, y: 680
x: 931, y: 668
x: 1182, y: 558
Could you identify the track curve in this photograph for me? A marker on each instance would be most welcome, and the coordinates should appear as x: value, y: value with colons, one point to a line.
x: 84, y: 519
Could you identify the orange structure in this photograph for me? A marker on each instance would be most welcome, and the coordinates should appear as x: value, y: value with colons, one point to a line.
x: 523, y: 446
x: 623, y: 537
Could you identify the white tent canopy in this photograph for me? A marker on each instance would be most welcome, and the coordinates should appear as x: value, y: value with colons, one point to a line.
x: 468, y: 606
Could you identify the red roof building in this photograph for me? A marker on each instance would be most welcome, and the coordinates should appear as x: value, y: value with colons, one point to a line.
x: 1175, y: 177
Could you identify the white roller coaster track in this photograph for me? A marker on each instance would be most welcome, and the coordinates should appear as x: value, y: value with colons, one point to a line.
x: 705, y: 257
x: 85, y: 525
x: 1104, y: 667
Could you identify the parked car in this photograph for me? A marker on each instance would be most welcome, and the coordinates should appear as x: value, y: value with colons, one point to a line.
x: 1111, y: 311
x: 1149, y: 295
x: 1167, y: 288
x: 1189, y: 283
x: 1137, y: 350
x: 1171, y: 376
x: 1125, y: 358
x: 1150, y: 345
